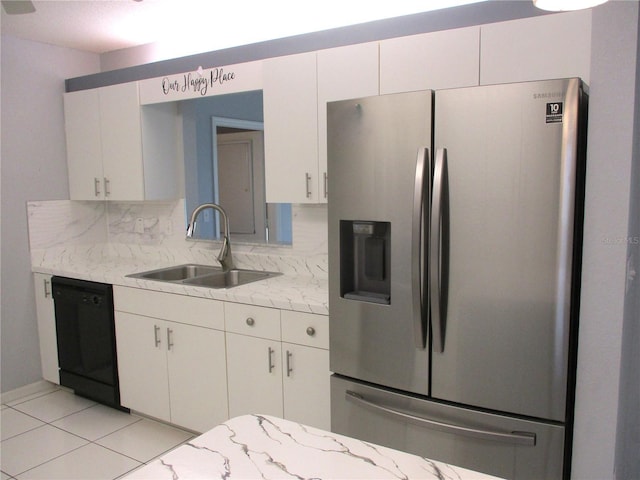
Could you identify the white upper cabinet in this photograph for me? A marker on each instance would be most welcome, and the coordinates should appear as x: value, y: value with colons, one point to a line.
x: 447, y: 59
x: 549, y: 46
x: 117, y: 150
x: 291, y: 128
x: 121, y: 142
x: 84, y: 145
x: 343, y: 73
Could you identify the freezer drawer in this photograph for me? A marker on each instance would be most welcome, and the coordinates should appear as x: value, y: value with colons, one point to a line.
x: 503, y: 446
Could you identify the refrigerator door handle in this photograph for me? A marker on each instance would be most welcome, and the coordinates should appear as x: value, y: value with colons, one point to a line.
x: 517, y: 438
x: 423, y: 171
x: 438, y: 250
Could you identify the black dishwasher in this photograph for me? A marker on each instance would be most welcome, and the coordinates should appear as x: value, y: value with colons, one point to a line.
x: 86, y: 339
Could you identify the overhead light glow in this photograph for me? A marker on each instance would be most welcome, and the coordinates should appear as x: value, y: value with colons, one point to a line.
x: 221, y: 25
x: 566, y: 5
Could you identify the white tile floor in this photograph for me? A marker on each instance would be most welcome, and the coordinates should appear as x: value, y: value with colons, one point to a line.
x: 57, y: 435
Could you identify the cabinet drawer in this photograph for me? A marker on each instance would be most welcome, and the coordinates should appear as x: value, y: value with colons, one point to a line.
x: 201, y: 312
x: 305, y: 329
x: 252, y: 320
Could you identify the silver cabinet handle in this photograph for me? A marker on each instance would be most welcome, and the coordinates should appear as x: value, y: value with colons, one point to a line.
x: 423, y: 169
x: 169, y: 338
x: 271, y: 365
x: 326, y: 185
x: 308, y: 184
x: 250, y: 321
x: 289, y: 369
x: 438, y: 239
x: 517, y: 438
x: 96, y: 186
x: 107, y: 190
x: 156, y: 333
x: 47, y: 291
x: 311, y: 331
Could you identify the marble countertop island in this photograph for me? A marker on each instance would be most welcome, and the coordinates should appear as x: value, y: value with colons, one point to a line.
x: 264, y: 447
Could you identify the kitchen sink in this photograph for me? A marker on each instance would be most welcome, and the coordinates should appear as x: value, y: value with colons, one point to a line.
x: 177, y: 273
x: 229, y: 279
x: 204, y: 276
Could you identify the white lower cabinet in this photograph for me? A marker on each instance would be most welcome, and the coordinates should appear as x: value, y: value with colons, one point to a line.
x: 306, y: 385
x: 171, y: 370
x: 288, y: 378
x: 45, y: 312
x: 142, y: 365
x: 305, y: 351
x: 197, y: 376
x: 254, y: 375
x: 196, y: 362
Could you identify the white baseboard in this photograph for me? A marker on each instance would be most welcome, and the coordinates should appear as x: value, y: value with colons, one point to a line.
x: 41, y: 386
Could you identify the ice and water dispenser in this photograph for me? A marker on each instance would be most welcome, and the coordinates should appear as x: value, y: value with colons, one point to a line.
x: 365, y: 257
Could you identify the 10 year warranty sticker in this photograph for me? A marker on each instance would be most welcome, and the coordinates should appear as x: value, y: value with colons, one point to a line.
x: 554, y: 112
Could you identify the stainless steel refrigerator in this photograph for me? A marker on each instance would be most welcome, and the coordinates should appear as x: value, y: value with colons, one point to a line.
x: 454, y: 267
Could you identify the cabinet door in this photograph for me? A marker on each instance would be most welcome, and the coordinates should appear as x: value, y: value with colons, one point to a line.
x: 84, y: 145
x: 121, y: 142
x: 142, y: 364
x: 197, y: 376
x: 291, y: 128
x: 343, y: 73
x: 254, y: 375
x: 446, y: 59
x: 45, y: 312
x: 306, y: 385
x: 549, y: 46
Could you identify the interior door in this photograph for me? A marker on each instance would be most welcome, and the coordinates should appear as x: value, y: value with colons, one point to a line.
x: 240, y: 180
x: 511, y: 168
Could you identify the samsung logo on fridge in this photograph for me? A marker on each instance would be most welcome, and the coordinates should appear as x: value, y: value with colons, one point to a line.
x: 537, y: 96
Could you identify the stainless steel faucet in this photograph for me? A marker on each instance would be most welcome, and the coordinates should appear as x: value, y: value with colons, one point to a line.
x: 224, y: 257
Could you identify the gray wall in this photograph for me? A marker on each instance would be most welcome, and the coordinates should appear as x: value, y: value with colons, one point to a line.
x: 609, y: 159
x: 627, y: 460
x: 34, y: 167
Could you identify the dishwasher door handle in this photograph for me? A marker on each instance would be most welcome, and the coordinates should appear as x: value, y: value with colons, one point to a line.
x: 517, y: 438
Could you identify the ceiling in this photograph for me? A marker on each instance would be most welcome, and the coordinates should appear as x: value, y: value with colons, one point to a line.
x: 101, y: 26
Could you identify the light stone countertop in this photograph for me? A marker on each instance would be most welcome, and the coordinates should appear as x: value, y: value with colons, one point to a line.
x: 298, y: 288
x: 264, y: 447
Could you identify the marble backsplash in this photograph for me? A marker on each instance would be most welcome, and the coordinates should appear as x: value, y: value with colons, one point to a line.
x: 153, y: 232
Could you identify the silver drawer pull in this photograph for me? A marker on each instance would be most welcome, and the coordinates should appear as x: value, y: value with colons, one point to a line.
x: 250, y: 321
x: 169, y: 338
x: 308, y: 184
x: 156, y: 331
x: 271, y: 365
x: 516, y: 438
x: 289, y: 368
x: 311, y: 331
